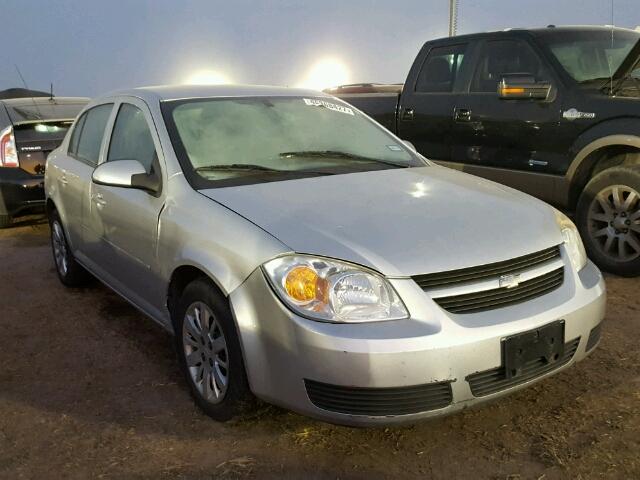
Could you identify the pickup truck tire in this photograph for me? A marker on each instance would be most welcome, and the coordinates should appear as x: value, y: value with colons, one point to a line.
x: 209, y: 352
x: 70, y: 272
x: 608, y: 217
x: 5, y: 221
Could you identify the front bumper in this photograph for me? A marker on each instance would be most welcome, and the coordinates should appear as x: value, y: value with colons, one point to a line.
x: 20, y: 192
x: 290, y: 359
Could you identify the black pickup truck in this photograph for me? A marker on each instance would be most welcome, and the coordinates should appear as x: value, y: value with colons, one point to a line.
x: 554, y: 112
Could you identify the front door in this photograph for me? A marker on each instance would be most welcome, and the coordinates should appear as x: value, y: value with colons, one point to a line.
x: 516, y: 136
x: 425, y: 115
x: 125, y: 220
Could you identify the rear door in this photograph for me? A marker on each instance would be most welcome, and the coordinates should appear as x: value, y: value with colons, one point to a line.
x: 75, y: 170
x: 425, y: 115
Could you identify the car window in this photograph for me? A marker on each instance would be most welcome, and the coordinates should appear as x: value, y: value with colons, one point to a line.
x: 440, y: 69
x: 90, y: 134
x: 505, y: 57
x: 75, y: 135
x: 131, y: 138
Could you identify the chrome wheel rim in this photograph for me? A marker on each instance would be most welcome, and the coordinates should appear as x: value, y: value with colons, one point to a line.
x: 206, y: 354
x: 59, y: 248
x: 614, y: 223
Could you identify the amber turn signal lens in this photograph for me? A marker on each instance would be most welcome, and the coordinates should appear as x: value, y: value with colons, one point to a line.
x: 301, y: 284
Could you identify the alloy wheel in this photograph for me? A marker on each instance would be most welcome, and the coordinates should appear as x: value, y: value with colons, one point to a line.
x: 206, y: 352
x: 614, y: 222
x: 59, y: 248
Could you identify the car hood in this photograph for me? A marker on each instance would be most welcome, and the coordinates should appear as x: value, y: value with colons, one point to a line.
x: 400, y: 222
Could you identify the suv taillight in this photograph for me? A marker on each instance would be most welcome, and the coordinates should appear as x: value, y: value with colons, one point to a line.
x: 8, y: 152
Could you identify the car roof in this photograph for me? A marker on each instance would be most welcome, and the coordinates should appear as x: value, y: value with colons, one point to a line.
x: 163, y: 93
x: 26, y: 101
x: 539, y: 31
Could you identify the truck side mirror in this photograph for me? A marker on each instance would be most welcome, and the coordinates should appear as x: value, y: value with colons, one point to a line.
x: 523, y: 87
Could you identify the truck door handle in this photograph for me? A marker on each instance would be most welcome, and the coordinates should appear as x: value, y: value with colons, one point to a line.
x: 462, y: 115
x: 407, y: 114
x: 63, y: 180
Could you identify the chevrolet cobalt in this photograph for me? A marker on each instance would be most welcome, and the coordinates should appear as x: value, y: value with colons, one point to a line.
x: 302, y: 254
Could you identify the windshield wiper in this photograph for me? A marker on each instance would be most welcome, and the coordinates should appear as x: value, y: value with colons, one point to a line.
x: 254, y: 168
x: 339, y: 154
x: 236, y: 166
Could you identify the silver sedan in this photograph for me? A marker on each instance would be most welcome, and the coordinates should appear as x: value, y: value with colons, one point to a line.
x: 302, y: 254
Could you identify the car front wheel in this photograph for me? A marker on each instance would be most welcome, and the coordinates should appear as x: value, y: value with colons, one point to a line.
x: 209, y: 352
x: 608, y: 217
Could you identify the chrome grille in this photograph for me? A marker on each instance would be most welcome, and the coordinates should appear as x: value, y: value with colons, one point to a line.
x: 502, y: 297
x: 455, y: 292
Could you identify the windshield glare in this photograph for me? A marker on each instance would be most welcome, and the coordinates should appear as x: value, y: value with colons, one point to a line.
x: 591, y: 55
x: 290, y: 134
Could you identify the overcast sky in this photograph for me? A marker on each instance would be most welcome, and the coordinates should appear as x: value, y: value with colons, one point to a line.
x: 87, y: 47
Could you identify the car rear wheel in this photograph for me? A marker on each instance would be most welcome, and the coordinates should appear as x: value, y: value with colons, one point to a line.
x: 608, y: 217
x: 209, y: 352
x: 70, y: 272
x: 5, y: 221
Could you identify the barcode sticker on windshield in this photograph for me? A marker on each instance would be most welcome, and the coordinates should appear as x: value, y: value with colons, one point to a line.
x: 312, y: 102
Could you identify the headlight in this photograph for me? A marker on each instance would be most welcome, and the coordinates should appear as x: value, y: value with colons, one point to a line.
x: 572, y: 241
x: 333, y: 291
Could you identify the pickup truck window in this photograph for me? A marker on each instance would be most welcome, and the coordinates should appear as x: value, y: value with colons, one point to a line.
x: 90, y: 130
x: 588, y: 56
x: 440, y: 69
x: 223, y: 142
x: 131, y: 138
x: 504, y: 57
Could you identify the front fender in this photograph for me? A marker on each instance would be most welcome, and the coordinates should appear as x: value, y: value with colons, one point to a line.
x: 619, y: 131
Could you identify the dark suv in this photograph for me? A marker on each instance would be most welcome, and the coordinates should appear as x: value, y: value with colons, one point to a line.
x: 554, y: 112
x: 30, y: 128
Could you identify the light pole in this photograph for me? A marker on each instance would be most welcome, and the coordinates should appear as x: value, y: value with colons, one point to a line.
x: 453, y: 17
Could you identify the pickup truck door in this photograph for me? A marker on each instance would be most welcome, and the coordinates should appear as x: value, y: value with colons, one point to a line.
x: 508, y: 139
x: 427, y: 103
x: 125, y: 220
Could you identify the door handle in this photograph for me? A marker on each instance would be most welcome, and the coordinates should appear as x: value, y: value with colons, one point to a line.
x: 99, y: 200
x: 462, y: 115
x: 407, y: 114
x: 63, y: 180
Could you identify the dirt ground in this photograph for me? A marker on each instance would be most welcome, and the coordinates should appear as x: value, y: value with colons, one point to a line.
x: 89, y: 389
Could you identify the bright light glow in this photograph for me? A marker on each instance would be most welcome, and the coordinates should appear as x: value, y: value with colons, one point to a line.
x: 328, y: 72
x: 207, y: 77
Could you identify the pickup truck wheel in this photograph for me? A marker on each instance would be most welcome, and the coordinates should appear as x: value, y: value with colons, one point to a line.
x: 5, y: 221
x: 608, y: 217
x: 209, y: 352
x: 70, y: 272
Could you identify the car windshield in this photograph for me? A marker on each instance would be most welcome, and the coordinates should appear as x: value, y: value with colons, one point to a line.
x: 590, y: 56
x: 234, y: 141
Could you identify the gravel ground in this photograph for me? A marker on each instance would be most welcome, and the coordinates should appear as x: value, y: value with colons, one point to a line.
x: 89, y: 389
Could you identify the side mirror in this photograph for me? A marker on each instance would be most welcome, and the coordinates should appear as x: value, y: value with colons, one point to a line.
x: 523, y: 87
x: 125, y: 174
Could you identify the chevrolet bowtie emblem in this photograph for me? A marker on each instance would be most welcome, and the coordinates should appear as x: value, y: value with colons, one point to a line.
x: 509, y: 281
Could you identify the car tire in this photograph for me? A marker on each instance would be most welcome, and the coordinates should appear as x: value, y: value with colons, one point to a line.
x: 69, y: 271
x: 5, y: 221
x: 608, y: 217
x: 209, y: 352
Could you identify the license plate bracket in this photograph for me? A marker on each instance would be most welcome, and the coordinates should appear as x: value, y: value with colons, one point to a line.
x: 543, y: 344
